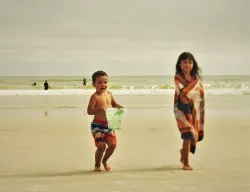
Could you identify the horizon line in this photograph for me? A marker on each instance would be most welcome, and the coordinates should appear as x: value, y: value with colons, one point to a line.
x: 117, y: 75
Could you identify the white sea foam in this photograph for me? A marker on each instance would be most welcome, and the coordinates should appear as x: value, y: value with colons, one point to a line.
x: 221, y: 91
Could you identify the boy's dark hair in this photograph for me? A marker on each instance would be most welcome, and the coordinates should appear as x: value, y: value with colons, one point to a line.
x: 98, y: 74
x: 186, y: 55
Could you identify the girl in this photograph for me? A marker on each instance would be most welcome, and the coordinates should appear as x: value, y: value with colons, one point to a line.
x: 188, y: 105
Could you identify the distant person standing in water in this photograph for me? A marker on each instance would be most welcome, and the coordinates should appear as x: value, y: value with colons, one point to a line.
x: 84, y: 81
x: 46, y: 85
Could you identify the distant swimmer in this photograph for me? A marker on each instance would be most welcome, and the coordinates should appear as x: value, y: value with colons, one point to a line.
x: 34, y: 84
x: 46, y: 85
x: 84, y: 81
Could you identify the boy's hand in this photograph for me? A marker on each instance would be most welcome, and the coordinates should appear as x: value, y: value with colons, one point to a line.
x: 118, y: 106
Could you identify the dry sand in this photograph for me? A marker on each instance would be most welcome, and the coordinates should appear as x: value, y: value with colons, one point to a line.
x: 46, y: 145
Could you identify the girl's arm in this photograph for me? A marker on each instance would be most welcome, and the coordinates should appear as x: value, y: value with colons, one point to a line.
x: 180, y: 92
x: 177, y: 92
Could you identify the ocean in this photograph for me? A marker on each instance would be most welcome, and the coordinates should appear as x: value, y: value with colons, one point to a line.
x: 119, y: 85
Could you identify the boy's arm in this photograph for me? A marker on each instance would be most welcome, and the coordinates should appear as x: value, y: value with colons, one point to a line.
x: 92, y: 110
x: 114, y: 103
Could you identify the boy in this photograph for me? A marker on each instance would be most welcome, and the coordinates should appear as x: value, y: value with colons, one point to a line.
x: 102, y: 134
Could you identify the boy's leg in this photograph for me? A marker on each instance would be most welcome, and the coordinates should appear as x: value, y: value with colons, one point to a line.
x: 185, y: 154
x: 111, y: 142
x: 98, y: 157
x: 101, y: 146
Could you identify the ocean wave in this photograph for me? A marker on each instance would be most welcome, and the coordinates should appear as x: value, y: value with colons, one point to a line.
x: 41, y: 107
x: 154, y: 91
x: 208, y: 85
x: 235, y: 85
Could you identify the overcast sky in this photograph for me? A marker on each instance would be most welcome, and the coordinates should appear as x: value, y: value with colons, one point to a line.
x: 123, y: 37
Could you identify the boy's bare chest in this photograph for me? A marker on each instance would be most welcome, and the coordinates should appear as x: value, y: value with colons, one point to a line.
x: 104, y: 101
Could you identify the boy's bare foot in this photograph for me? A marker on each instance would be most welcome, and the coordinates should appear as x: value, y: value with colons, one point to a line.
x: 97, y: 169
x: 182, y: 159
x: 187, y: 167
x: 106, y: 166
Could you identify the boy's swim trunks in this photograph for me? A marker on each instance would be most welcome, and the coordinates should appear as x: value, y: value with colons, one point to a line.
x: 102, y: 133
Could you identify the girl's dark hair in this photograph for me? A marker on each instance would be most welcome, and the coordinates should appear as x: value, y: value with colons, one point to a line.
x: 195, y: 72
x: 98, y: 74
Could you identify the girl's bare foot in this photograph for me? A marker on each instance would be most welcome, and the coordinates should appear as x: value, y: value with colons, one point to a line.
x: 182, y: 159
x: 187, y: 167
x: 106, y: 166
x: 97, y: 169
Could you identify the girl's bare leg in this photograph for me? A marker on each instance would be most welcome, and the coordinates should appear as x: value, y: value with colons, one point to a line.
x: 185, y: 154
x: 181, y: 152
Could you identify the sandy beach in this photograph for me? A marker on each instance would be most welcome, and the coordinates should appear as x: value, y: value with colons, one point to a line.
x: 50, y: 51
x: 46, y: 145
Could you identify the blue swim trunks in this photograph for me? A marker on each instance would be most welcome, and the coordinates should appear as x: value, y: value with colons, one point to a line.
x: 102, y: 133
